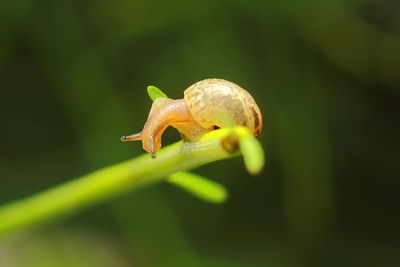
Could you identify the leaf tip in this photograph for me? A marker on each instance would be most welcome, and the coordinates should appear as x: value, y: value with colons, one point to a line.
x: 252, y: 151
x: 199, y: 186
x: 155, y: 92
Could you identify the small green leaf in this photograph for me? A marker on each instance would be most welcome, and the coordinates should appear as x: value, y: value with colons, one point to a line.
x: 155, y: 93
x: 252, y: 151
x: 199, y: 186
x: 250, y: 148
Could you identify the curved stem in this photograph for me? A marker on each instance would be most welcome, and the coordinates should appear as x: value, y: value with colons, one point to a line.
x: 91, y: 189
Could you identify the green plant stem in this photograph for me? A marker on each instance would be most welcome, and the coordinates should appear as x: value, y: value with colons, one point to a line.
x: 69, y: 198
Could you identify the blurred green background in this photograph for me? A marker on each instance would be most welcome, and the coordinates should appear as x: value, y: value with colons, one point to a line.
x: 326, y: 75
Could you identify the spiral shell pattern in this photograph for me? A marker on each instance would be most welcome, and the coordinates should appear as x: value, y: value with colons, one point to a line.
x: 219, y: 103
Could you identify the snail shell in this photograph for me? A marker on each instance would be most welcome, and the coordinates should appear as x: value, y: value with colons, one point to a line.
x: 218, y: 102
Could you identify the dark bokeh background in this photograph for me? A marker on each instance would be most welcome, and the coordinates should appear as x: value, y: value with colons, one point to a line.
x: 326, y: 75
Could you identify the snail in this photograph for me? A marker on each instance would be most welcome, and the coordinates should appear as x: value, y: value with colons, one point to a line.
x: 207, y: 105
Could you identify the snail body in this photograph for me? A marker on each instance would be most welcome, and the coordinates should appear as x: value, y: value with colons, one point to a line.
x: 207, y: 105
